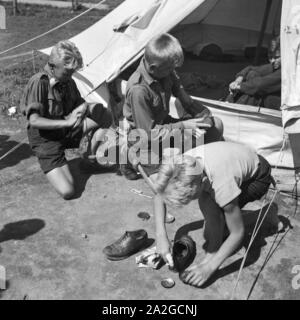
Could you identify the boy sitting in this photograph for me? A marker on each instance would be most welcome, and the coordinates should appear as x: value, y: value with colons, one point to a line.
x: 259, y: 85
x: 149, y: 91
x: 58, y: 116
x: 223, y: 177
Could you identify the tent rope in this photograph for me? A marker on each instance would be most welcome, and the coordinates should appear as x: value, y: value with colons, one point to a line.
x: 258, y: 226
x: 104, y: 49
x: 53, y: 29
x: 16, y: 56
x: 272, y: 251
x: 268, y: 257
x: 36, y: 54
x: 13, y: 149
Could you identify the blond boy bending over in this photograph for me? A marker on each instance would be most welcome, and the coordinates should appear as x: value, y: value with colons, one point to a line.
x: 223, y: 177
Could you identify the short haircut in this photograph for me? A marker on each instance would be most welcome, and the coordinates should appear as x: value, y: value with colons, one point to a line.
x: 178, y: 180
x: 164, y: 47
x: 66, y: 52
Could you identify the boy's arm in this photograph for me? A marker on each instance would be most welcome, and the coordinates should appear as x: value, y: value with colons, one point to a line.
x: 236, y: 228
x: 243, y: 73
x: 38, y: 122
x: 262, y: 85
x: 162, y: 241
x: 143, y: 116
x: 186, y: 100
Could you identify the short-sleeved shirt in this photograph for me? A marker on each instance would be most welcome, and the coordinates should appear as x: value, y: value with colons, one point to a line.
x: 147, y: 100
x: 227, y: 165
x: 50, y: 99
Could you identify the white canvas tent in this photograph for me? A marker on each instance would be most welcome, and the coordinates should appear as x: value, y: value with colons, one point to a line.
x: 117, y: 40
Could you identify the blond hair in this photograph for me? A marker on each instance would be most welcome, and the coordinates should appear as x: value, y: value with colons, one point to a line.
x: 66, y: 52
x: 179, y: 179
x: 164, y: 47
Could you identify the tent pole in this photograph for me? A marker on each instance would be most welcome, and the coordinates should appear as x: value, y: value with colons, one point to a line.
x: 262, y: 31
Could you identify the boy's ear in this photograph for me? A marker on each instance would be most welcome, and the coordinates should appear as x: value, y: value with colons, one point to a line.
x: 152, y: 68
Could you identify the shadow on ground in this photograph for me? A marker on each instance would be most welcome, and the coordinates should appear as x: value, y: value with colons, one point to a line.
x: 20, y: 230
x: 23, y: 152
x: 81, y: 177
x: 250, y: 218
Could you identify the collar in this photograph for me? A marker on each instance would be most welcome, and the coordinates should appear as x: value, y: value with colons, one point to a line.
x: 145, y: 74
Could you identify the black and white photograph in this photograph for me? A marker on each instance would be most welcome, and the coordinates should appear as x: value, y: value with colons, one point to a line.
x: 149, y: 153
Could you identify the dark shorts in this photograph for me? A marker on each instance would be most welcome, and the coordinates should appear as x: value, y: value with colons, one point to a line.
x: 51, y: 153
x: 258, y: 185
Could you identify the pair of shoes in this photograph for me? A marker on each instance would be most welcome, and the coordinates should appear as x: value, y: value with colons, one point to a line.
x: 128, y: 172
x: 184, y: 252
x: 130, y: 243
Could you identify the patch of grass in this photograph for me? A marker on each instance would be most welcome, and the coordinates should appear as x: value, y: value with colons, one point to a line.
x: 112, y: 3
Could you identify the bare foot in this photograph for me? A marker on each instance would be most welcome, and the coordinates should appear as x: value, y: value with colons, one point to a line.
x: 207, y: 257
x: 197, y: 275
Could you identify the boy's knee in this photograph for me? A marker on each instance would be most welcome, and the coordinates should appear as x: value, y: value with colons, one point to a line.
x: 219, y: 125
x: 68, y: 193
x: 215, y: 133
x: 101, y: 115
x: 107, y: 119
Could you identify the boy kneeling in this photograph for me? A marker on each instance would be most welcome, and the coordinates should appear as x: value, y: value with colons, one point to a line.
x: 223, y: 176
x: 58, y: 116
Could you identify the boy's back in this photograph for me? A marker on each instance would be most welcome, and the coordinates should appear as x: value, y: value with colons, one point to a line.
x: 227, y: 165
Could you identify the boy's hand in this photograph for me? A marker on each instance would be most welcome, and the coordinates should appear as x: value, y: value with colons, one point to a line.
x: 194, y: 124
x: 198, y: 133
x: 82, y: 108
x: 78, y: 114
x: 233, y: 86
x: 163, y: 249
x: 72, y: 119
x: 236, y: 84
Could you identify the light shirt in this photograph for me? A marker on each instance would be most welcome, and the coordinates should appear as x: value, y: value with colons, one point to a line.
x: 227, y: 165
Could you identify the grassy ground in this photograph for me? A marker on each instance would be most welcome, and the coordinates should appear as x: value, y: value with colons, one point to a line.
x: 31, y: 21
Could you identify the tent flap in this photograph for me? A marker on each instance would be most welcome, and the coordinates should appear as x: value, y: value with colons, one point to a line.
x: 290, y: 56
x: 232, y: 24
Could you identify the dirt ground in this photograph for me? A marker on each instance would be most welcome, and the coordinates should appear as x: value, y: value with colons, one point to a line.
x: 52, y: 249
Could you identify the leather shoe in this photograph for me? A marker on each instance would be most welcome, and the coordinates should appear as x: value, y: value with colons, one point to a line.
x: 184, y: 252
x: 130, y: 243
